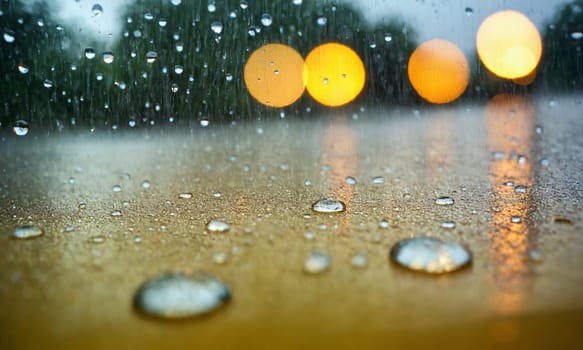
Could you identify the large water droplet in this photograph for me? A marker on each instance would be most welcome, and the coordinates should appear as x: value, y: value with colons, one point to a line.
x: 217, y: 226
x: 89, y: 53
x: 9, y: 36
x: 217, y: 27
x: 27, y: 231
x: 97, y: 10
x: 266, y: 19
x: 21, y: 128
x: 179, y: 295
x: 317, y: 262
x: 430, y: 255
x: 108, y: 57
x: 444, y: 201
x: 329, y: 205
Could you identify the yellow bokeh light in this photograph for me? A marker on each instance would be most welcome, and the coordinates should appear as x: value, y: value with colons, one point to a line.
x: 273, y: 75
x: 509, y: 45
x: 438, y: 71
x: 334, y: 74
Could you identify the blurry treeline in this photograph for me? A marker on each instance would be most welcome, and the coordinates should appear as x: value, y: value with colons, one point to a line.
x: 184, y: 64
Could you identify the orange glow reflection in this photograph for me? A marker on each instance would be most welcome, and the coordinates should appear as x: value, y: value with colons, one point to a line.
x: 334, y: 74
x: 438, y: 71
x: 509, y: 124
x: 273, y: 75
x: 509, y: 45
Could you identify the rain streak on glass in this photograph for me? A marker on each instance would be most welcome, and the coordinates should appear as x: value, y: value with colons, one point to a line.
x: 329, y: 205
x: 179, y: 295
x: 27, y: 231
x: 430, y: 255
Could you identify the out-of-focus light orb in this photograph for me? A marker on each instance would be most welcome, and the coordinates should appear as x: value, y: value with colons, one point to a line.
x: 438, y: 71
x: 274, y: 75
x: 334, y: 74
x: 509, y: 44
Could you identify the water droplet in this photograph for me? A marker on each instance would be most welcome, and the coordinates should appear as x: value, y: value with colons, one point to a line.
x: 151, y: 56
x: 309, y: 236
x: 359, y: 260
x: 116, y: 213
x: 162, y: 22
x: 21, y: 128
x: 577, y: 35
x: 23, y: 69
x: 116, y: 188
x: 430, y: 255
x: 444, y: 201
x: 535, y: 255
x: 176, y: 2
x: 229, y: 77
x: 82, y: 206
x: 48, y: 83
x: 378, y: 180
x: 520, y: 189
x: 317, y: 262
x: 138, y: 239
x: 148, y: 16
x: 266, y: 19
x: 469, y: 11
x: 96, y: 239
x: 179, y: 295
x: 329, y: 205
x: 545, y: 162
x: 108, y: 57
x: 217, y: 194
x: 9, y: 36
x: 211, y: 7
x: 217, y: 226
x: 204, y: 122
x: 516, y: 219
x: 325, y: 81
x: 448, y: 224
x: 384, y: 224
x: 27, y: 231
x: 90, y: 53
x: 217, y: 27
x: 185, y: 195
x: 97, y: 10
x: 388, y: 37
x: 220, y: 258
x: 297, y: 2
x: 322, y: 20
x: 178, y: 69
x: 350, y: 180
x: 146, y: 184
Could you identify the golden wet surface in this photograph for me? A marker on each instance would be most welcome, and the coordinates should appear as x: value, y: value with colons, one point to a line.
x: 73, y: 286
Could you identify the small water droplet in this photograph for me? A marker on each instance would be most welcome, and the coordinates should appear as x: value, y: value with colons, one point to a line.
x: 545, y: 162
x: 243, y: 4
x: 96, y: 239
x: 535, y: 255
x: 116, y: 188
x: 307, y: 182
x: 309, y: 236
x: 329, y: 205
x: 444, y: 200
x: 520, y: 189
x: 217, y: 27
x: 90, y: 53
x: 23, y: 69
x: 151, y: 56
x: 27, y: 231
x: 138, y: 239
x: 317, y: 262
x: 21, y: 128
x: 176, y: 2
x: 469, y: 11
x: 9, y: 36
x: 297, y: 2
x: 516, y: 219
x: 108, y: 57
x: 116, y: 213
x: 322, y: 20
x: 96, y: 10
x: 48, y: 83
x: 162, y: 22
x: 577, y: 35
x: 185, y: 195
x: 266, y: 20
x: 179, y: 295
x: 220, y: 258
x: 146, y: 184
x: 384, y: 224
x: 148, y: 16
x: 388, y: 37
x: 359, y: 260
x: 178, y: 69
x: 350, y: 180
x: 217, y: 194
x: 430, y: 255
x: 217, y: 226
x: 448, y: 224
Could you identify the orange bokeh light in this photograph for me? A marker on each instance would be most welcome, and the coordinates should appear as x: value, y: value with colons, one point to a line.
x: 273, y: 75
x: 509, y: 45
x: 438, y: 71
x: 334, y: 74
